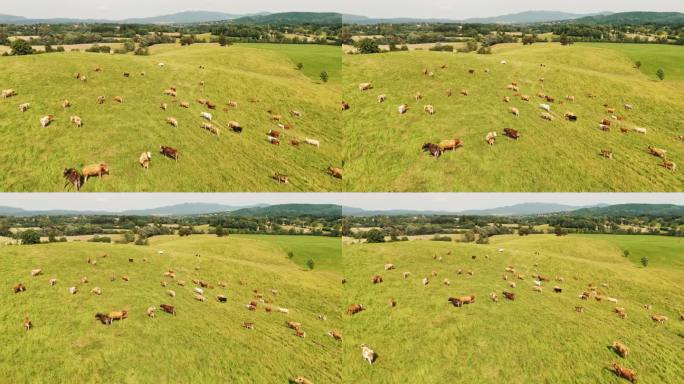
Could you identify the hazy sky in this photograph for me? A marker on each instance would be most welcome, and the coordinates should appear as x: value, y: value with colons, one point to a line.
x: 123, y: 9
x: 462, y: 9
x: 115, y: 202
x: 455, y: 9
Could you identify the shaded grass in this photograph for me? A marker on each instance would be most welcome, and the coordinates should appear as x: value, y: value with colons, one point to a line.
x: 536, y: 338
x: 33, y: 157
x: 204, y: 342
x: 652, y: 57
x: 315, y: 58
x: 383, y: 148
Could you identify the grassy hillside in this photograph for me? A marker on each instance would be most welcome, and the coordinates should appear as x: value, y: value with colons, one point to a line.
x: 326, y: 58
x: 537, y: 337
x: 33, y: 157
x: 383, y: 148
x: 652, y: 57
x: 205, y: 342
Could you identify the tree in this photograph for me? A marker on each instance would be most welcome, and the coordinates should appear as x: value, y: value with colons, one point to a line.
x: 528, y: 40
x: 375, y: 236
x: 290, y: 254
x: 220, y: 232
x: 21, y: 47
x: 223, y: 40
x: 660, y: 73
x: 324, y: 76
x: 187, y: 40
x: 524, y: 231
x: 637, y: 64
x: 565, y: 40
x: 367, y: 46
x: 185, y: 231
x: 310, y: 263
x: 29, y: 237
x: 300, y: 66
x: 625, y: 253
x: 644, y: 261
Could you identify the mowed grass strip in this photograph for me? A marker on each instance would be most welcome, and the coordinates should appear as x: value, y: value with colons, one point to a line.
x: 205, y: 342
x: 383, y: 148
x: 32, y: 158
x: 538, y: 338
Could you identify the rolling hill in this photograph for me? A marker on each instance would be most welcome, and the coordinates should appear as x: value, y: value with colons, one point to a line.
x: 635, y: 18
x: 291, y: 210
x: 527, y: 17
x: 654, y: 210
x: 292, y: 18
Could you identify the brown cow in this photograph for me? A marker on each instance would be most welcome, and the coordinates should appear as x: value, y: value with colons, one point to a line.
x: 168, y: 309
x: 169, y: 152
x: 512, y: 133
x: 95, y: 170
x: 73, y: 177
x: 335, y: 172
x: 376, y: 279
x: 620, y: 349
x: 625, y: 373
x: 354, y: 309
x: 509, y: 295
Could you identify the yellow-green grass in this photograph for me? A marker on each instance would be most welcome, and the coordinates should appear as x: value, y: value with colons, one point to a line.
x: 537, y: 338
x: 205, y: 342
x: 383, y: 148
x: 314, y: 58
x: 652, y: 57
x: 33, y: 157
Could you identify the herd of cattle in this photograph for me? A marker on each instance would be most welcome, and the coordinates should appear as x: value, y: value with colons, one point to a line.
x: 510, y: 276
x: 77, y: 178
x: 199, y: 293
x: 611, y: 119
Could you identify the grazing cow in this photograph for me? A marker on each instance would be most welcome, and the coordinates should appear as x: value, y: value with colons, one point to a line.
x: 658, y: 152
x: 171, y: 293
x: 406, y: 274
x: 221, y: 298
x: 525, y: 98
x: 313, y: 142
x: 570, y: 116
x: 376, y: 279
x: 450, y: 145
x: 66, y: 104
x: 625, y: 373
x: 170, y: 309
x: 570, y: 98
x: 151, y: 311
x: 433, y: 149
x: 232, y: 103
x: 382, y: 98
x: 446, y: 282
x: 24, y: 107
x: 418, y: 96
x: 659, y: 318
x: 545, y: 107
x: 73, y: 290
x: 169, y: 152
x: 36, y: 272
x: 27, y: 323
x: 93, y: 170
x: 75, y: 120
x: 425, y: 281
x: 184, y: 104
x: 126, y: 74
x: 354, y: 309
x: 640, y: 130
x: 145, y: 159
x: 170, y: 92
x: 7, y: 93
x: 119, y: 99
x: 335, y: 335
x: 546, y: 116
x: 104, y: 319
x: 610, y: 110
x: 620, y: 349
x: 53, y: 282
x: 455, y: 301
x: 206, y: 115
x: 273, y: 140
x: 512, y: 133
x: 96, y: 290
x: 514, y: 111
x: 506, y: 99
x: 18, y: 288
x: 606, y: 154
x: 557, y: 289
x: 512, y: 284
x: 464, y: 92
x: 273, y: 133
x: 537, y: 288
x: 429, y: 109
x: 671, y: 165
x: 284, y: 179
x: 209, y: 127
x: 449, y: 92
x: 211, y: 105
x: 541, y: 95
x: 368, y: 354
x: 389, y: 267
x: 509, y: 295
x: 605, y: 128
x: 234, y: 126
x: 46, y: 120
x: 494, y: 297
x: 335, y: 172
x: 550, y: 99
x: 403, y: 109
x: 365, y: 86
x: 172, y: 122
x: 620, y: 312
x: 101, y: 99
x: 345, y: 106
x: 200, y: 298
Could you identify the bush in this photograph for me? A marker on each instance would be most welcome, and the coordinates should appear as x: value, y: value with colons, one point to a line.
x: 99, y: 49
x: 324, y: 76
x: 660, y: 73
x: 142, y: 52
x: 528, y: 40
x: 484, y: 50
x: 100, y: 239
x: 375, y: 236
x: 644, y: 261
x: 441, y: 238
x: 442, y: 48
x: 29, y: 237
x: 300, y: 66
x: 21, y: 47
x: 187, y: 40
x: 310, y: 263
x: 142, y: 241
x: 220, y: 232
x: 290, y: 255
x: 637, y: 64
x: 468, y: 237
x: 625, y: 253
x: 185, y: 231
x: 367, y: 46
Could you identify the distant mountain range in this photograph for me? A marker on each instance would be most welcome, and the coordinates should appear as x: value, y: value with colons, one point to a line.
x: 531, y: 17
x: 529, y: 209
x: 190, y: 209
x: 193, y: 17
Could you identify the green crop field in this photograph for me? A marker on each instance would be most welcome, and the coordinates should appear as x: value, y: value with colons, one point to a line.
x: 538, y: 337
x: 205, y: 342
x: 33, y: 157
x: 383, y: 148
